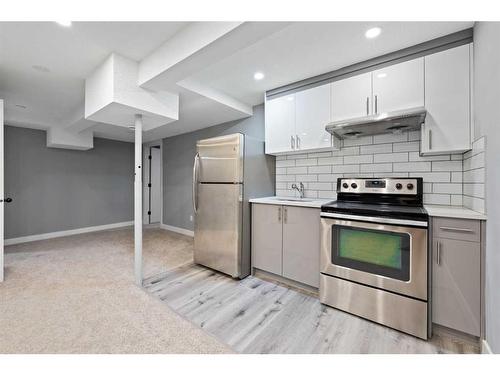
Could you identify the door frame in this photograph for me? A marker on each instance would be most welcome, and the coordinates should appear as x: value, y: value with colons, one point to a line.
x: 2, y: 218
x: 145, y: 171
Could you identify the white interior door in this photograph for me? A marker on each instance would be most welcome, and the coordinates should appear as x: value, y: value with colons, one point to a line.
x: 1, y: 191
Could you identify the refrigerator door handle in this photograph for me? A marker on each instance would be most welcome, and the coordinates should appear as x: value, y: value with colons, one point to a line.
x: 195, y: 182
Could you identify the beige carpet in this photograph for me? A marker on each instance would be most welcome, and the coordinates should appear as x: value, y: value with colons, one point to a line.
x: 76, y: 295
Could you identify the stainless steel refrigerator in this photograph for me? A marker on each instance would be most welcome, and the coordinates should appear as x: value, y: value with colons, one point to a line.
x: 227, y: 172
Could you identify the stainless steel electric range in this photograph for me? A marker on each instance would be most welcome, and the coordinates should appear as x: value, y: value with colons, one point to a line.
x: 374, y: 252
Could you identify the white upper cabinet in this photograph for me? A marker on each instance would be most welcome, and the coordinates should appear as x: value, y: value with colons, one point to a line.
x: 312, y: 113
x: 280, y: 124
x: 399, y: 86
x: 440, y: 82
x: 352, y: 97
x: 447, y: 100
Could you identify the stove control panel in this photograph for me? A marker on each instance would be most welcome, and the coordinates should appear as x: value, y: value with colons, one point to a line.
x: 406, y: 186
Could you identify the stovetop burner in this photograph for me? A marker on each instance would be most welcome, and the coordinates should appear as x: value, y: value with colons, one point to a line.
x: 398, y: 198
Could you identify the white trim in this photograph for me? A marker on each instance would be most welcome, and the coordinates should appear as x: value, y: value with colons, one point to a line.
x: 171, y: 228
x: 1, y: 192
x: 64, y: 233
x: 145, y: 171
x: 485, y: 348
x: 138, y: 221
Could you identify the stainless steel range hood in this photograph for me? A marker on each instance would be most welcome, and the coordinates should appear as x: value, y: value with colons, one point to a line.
x: 390, y: 122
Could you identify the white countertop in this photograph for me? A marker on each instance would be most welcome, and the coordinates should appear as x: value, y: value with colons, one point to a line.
x: 291, y: 201
x: 457, y: 212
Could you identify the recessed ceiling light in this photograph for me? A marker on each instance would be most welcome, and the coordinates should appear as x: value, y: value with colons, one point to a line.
x: 258, y: 76
x: 41, y: 68
x: 373, y: 32
x: 64, y: 23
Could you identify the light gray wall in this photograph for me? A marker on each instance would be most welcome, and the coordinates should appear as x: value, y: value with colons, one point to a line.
x: 178, y: 155
x: 487, y: 123
x: 57, y: 189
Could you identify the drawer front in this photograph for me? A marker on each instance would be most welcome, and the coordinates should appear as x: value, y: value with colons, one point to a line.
x: 457, y: 229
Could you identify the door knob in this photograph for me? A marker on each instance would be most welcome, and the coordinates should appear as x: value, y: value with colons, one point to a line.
x: 6, y: 200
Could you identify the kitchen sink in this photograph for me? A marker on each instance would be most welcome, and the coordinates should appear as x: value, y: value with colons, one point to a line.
x: 293, y: 199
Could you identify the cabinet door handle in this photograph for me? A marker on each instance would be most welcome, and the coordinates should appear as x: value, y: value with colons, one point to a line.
x: 376, y: 104
x: 285, y: 214
x: 438, y: 254
x: 292, y: 142
x: 453, y: 229
x: 298, y: 141
x: 430, y: 139
x: 279, y: 214
x: 367, y: 105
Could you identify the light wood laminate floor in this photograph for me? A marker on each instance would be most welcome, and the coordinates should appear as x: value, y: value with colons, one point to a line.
x: 258, y: 316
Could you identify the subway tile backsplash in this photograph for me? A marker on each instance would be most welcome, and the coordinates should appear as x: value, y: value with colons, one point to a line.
x: 448, y: 179
x: 474, y: 171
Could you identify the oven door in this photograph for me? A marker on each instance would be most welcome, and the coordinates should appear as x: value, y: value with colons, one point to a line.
x: 385, y: 256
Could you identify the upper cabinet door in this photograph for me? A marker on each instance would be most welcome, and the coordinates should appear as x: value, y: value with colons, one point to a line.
x: 280, y: 124
x: 399, y: 86
x: 312, y: 113
x: 351, y: 97
x: 447, y: 100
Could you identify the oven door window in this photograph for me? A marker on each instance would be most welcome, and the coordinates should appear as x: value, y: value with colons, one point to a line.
x: 375, y: 251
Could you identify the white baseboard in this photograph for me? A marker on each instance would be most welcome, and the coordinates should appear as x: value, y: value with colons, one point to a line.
x: 64, y: 233
x: 186, y: 232
x: 485, y: 348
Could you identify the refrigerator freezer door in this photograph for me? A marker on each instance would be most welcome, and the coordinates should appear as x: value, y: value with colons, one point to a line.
x: 217, y: 236
x: 221, y: 159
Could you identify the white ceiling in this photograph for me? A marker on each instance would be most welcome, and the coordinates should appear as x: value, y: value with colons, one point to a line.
x: 289, y: 53
x: 306, y: 49
x: 71, y: 54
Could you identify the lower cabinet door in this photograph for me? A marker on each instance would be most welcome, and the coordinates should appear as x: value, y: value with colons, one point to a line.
x: 301, y: 244
x: 456, y: 285
x: 267, y: 237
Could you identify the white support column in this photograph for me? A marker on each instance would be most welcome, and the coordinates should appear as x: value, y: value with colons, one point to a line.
x: 138, y: 201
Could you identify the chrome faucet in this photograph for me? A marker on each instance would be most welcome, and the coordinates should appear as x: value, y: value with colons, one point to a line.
x: 299, y: 188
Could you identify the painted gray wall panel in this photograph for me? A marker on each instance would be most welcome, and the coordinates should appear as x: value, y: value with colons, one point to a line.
x: 487, y: 122
x: 178, y: 154
x: 57, y: 189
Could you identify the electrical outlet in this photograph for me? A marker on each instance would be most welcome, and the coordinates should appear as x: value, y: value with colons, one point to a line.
x: 190, y: 217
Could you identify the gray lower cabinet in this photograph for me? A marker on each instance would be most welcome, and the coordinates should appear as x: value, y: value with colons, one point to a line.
x: 456, y: 275
x: 285, y: 241
x: 267, y: 232
x: 301, y: 244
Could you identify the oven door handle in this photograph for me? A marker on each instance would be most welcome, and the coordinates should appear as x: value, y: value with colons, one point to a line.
x: 381, y: 220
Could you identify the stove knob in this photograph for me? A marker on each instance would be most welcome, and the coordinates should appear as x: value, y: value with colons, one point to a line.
x: 399, y: 186
x: 345, y: 185
x: 410, y: 186
x: 354, y: 185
